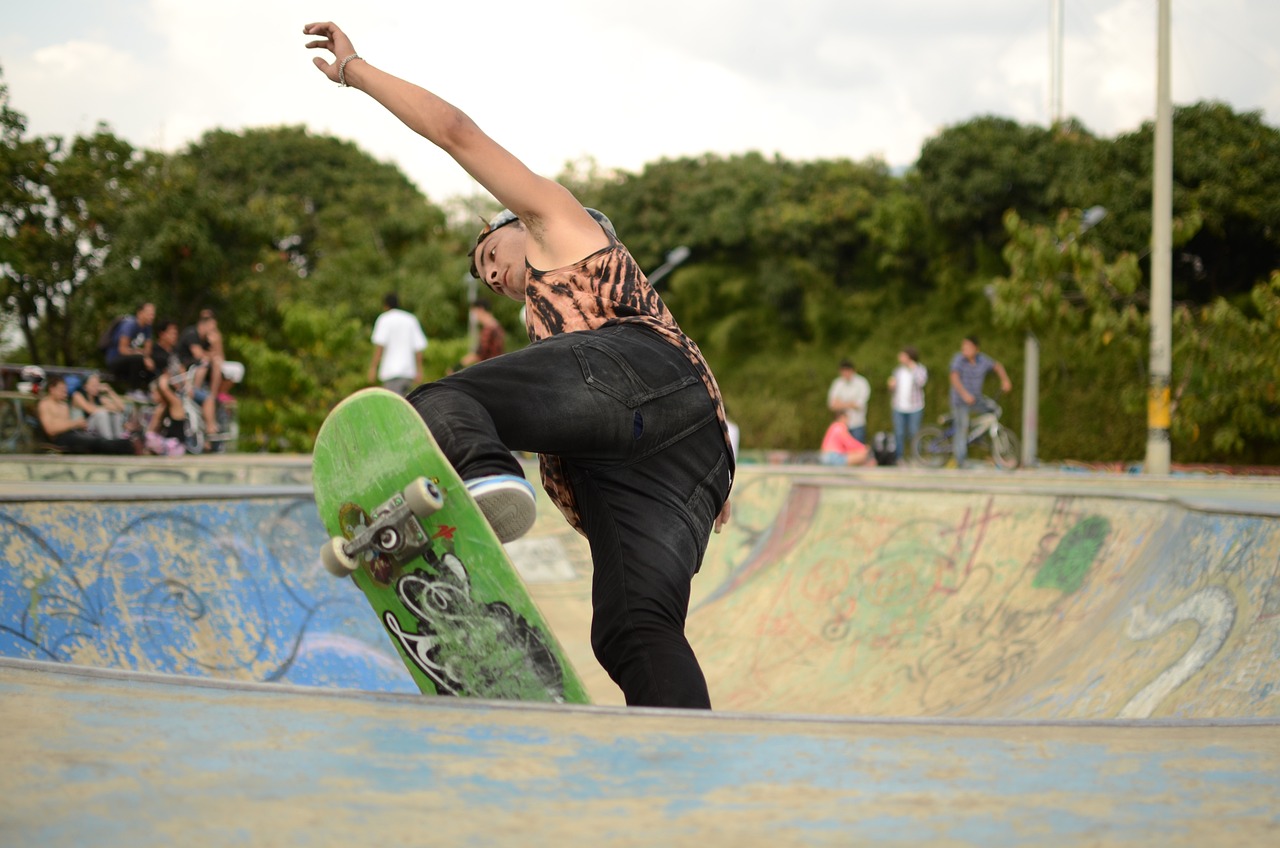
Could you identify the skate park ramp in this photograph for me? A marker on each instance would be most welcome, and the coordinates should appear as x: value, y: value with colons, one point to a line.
x: 1003, y: 598
x: 111, y: 758
x: 868, y: 594
x: 895, y: 658
x: 215, y: 581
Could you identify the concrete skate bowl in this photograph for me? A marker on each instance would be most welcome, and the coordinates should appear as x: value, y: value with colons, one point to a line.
x: 979, y: 615
x: 220, y: 582
x: 1046, y: 599
x: 872, y: 594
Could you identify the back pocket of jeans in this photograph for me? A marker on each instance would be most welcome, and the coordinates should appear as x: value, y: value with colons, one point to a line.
x: 605, y: 370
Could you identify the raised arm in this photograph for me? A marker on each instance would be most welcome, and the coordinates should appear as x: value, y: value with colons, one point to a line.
x: 560, y: 230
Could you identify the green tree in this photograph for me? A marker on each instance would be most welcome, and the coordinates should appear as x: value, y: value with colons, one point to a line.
x: 1226, y: 359
x: 59, y: 208
x: 969, y: 175
x: 1226, y: 167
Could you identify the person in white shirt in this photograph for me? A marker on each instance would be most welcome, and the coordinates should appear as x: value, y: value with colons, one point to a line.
x: 849, y: 394
x: 907, y: 386
x: 398, y: 343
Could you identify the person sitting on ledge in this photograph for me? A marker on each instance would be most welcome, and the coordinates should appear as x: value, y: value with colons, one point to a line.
x: 72, y: 435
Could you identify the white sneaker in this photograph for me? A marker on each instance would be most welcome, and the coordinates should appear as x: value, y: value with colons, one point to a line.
x: 507, y: 501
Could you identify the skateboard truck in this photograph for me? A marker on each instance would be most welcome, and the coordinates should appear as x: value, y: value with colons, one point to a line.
x: 394, y: 535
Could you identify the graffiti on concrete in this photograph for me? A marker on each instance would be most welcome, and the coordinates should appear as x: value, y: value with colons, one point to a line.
x: 946, y: 602
x: 826, y: 597
x: 230, y: 589
x: 158, y: 472
x: 1214, y: 610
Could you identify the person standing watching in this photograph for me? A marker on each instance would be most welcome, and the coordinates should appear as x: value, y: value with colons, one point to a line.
x: 907, y: 386
x: 849, y: 394
x: 398, y: 343
x: 969, y: 370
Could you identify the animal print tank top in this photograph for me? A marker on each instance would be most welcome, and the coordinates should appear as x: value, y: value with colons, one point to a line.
x: 604, y: 289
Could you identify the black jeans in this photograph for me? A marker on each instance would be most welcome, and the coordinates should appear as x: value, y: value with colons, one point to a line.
x: 78, y: 441
x: 649, y: 468
x: 131, y: 369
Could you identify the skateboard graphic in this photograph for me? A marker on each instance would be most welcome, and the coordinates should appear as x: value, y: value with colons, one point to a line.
x: 405, y: 528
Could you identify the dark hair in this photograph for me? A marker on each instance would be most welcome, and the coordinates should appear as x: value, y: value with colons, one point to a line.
x: 912, y: 353
x: 847, y: 363
x: 54, y: 380
x: 972, y: 339
x: 391, y: 301
x: 482, y: 302
x: 164, y: 324
x: 207, y: 315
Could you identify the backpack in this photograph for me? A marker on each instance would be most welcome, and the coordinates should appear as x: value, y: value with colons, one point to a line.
x: 109, y: 335
x: 884, y: 448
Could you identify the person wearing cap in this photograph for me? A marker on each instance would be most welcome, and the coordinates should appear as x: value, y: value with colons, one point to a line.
x: 618, y: 402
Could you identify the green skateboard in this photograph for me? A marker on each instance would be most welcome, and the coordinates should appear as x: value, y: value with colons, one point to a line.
x: 409, y: 534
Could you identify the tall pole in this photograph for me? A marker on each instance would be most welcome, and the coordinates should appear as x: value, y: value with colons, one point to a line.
x: 1031, y: 402
x: 1158, y: 407
x: 1055, y: 62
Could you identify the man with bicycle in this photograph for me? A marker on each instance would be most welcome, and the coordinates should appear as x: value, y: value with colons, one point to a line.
x: 969, y: 369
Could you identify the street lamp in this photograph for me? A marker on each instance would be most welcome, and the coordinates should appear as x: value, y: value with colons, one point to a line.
x: 674, y: 258
x: 1159, y: 451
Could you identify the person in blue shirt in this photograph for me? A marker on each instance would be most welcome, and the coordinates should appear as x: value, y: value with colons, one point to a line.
x: 969, y: 370
x: 129, y: 354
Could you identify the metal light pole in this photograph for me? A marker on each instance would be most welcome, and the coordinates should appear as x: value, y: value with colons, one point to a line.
x: 676, y: 256
x: 1031, y: 402
x: 1158, y: 407
x: 1055, y: 62
x: 1031, y: 361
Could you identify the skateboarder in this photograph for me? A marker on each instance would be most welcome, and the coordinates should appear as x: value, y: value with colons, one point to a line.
x: 616, y: 399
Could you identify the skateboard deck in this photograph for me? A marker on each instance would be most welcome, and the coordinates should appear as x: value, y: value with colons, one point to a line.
x: 412, y: 538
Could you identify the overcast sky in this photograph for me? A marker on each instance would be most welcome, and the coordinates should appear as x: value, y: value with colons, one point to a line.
x: 627, y: 83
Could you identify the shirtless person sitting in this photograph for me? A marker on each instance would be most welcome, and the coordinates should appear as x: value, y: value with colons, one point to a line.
x: 72, y: 435
x: 201, y: 345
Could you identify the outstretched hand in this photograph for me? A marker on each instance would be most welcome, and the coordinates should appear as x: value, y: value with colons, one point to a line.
x: 334, y: 40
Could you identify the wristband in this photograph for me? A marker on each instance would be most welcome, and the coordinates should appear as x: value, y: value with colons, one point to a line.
x: 342, y: 70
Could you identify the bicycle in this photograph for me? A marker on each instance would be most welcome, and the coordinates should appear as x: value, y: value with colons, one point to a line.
x: 196, y: 437
x: 932, y: 445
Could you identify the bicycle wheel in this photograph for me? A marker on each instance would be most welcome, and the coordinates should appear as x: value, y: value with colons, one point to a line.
x: 1004, y: 449
x: 931, y: 447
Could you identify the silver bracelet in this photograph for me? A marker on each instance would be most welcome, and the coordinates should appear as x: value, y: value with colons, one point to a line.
x: 342, y: 70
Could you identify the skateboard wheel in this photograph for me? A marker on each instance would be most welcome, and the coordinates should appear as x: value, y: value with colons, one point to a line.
x: 423, y: 497
x: 336, y: 561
